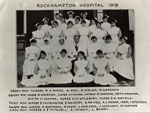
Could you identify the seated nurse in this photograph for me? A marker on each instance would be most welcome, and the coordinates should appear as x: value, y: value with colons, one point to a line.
x: 81, y: 70
x: 61, y: 74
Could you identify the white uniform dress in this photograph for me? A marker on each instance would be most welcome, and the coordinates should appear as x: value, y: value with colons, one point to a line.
x: 55, y: 33
x: 102, y: 77
x: 77, y: 26
x: 69, y: 33
x: 39, y: 36
x: 46, y: 28
x: 113, y: 32
x: 30, y: 61
x: 99, y: 34
x: 43, y: 68
x: 124, y: 65
x: 105, y: 26
x: 82, y: 75
x: 109, y: 50
x: 62, y: 73
x: 62, y: 26
x: 92, y: 48
x: 92, y: 28
x: 84, y: 32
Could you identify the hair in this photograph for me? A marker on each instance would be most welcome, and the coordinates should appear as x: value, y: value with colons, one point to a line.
x: 55, y: 22
x: 46, y: 40
x: 93, y: 37
x: 99, y: 23
x: 123, y: 37
x: 94, y: 20
x: 42, y: 52
x: 108, y: 37
x: 99, y: 51
x: 82, y: 53
x: 113, y: 20
x: 77, y: 18
x: 33, y: 41
x: 69, y: 22
x: 76, y: 36
x: 63, y: 50
x: 83, y: 21
x: 57, y: 14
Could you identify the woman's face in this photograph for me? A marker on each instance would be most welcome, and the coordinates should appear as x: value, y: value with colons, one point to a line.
x: 61, y: 41
x: 98, y: 25
x: 122, y: 41
x: 57, y: 17
x: 70, y: 15
x: 69, y: 25
x: 77, y: 21
x: 100, y: 55
x: 63, y: 54
x: 62, y: 20
x: 113, y: 24
x: 83, y: 24
x: 54, y: 25
x: 105, y: 20
x: 81, y: 56
x: 45, y: 22
x: 93, y: 22
x: 84, y: 16
x: 43, y: 56
x: 39, y: 27
x: 94, y: 40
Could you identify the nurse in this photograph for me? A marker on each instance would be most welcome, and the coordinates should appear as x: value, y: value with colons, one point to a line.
x: 31, y: 56
x: 38, y: 35
x: 93, y: 46
x: 84, y: 33
x: 81, y: 70
x: 55, y: 33
x: 77, y: 24
x: 69, y: 33
x: 92, y: 26
x: 46, y: 27
x: 62, y: 74
x: 84, y: 17
x: 70, y: 17
x: 101, y: 69
x: 115, y: 32
x: 63, y: 25
x: 105, y: 25
x: 109, y: 50
x: 58, y: 18
x: 99, y: 33
x: 124, y: 63
x: 47, y: 48
x: 42, y: 72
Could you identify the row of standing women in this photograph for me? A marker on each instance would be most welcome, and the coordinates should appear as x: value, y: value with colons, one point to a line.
x: 65, y: 53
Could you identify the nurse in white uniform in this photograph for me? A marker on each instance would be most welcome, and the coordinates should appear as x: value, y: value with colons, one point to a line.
x: 69, y: 33
x: 101, y: 69
x: 46, y: 27
x: 47, y: 48
x: 93, y: 46
x: 115, y: 32
x: 124, y: 63
x: 55, y: 33
x: 62, y: 74
x: 31, y: 55
x: 63, y: 24
x: 81, y: 70
x: 38, y: 35
x: 84, y: 33
x: 105, y: 25
x: 58, y: 18
x: 70, y: 17
x: 109, y: 50
x: 42, y: 72
x: 92, y: 26
x: 77, y: 24
x: 84, y: 17
x: 99, y: 33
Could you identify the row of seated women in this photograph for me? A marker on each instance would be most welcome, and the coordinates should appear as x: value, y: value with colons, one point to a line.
x: 77, y: 63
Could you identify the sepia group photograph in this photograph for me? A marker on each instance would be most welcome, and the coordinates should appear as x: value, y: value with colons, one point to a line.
x: 75, y: 48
